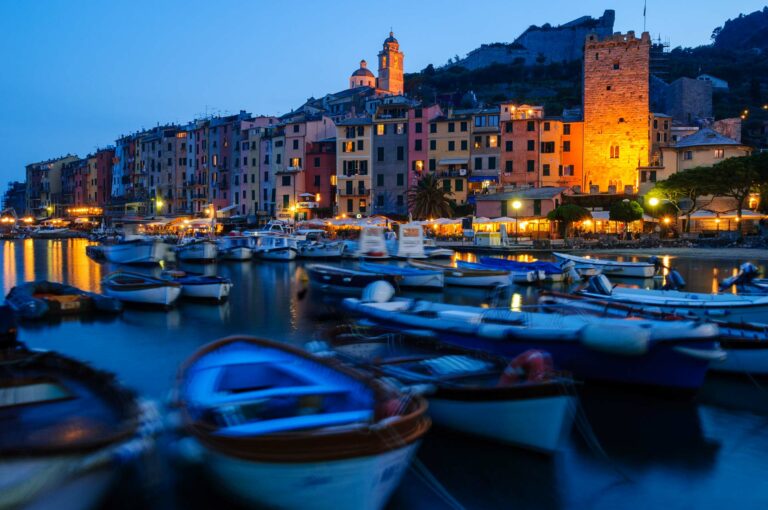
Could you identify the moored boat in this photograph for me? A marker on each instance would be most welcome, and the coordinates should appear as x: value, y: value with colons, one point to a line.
x: 199, y: 286
x: 235, y: 247
x: 522, y: 402
x: 140, y: 288
x: 729, y: 307
x: 521, y: 277
x: 320, y: 249
x: 80, y: 430
x: 134, y: 251
x: 281, y: 428
x: 411, y: 276
x: 551, y: 272
x: 611, y: 267
x: 464, y: 277
x: 341, y: 279
x: 196, y: 250
x: 433, y: 252
x: 275, y: 247
x: 372, y: 244
x: 36, y: 300
x: 644, y: 352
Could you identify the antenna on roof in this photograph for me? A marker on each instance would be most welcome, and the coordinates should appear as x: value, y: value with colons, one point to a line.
x: 645, y: 8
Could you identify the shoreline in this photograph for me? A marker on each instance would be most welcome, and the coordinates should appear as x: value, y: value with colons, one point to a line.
x: 708, y: 253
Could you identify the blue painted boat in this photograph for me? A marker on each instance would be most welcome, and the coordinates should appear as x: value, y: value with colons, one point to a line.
x: 40, y: 299
x: 515, y: 276
x: 552, y: 271
x: 282, y: 428
x: 200, y: 286
x: 643, y: 352
x: 411, y: 276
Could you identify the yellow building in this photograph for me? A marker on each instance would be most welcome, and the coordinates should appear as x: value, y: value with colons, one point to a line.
x: 449, y: 152
x: 353, y: 166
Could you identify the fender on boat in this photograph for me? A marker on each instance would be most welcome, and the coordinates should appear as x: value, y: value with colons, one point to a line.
x: 621, y: 340
x: 703, y: 354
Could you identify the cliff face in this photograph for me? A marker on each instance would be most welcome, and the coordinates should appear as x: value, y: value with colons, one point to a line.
x: 743, y: 33
x: 541, y: 45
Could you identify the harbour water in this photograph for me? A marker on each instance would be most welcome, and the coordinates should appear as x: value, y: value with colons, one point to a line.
x: 628, y: 450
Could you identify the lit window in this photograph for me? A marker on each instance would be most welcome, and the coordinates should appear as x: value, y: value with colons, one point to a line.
x: 719, y: 153
x: 614, y: 152
x: 380, y: 129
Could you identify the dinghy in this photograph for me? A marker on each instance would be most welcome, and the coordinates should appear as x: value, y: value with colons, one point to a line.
x: 340, y: 279
x: 199, y: 286
x: 523, y: 277
x: 281, y: 428
x: 611, y: 267
x: 275, y: 247
x: 321, y: 250
x: 37, y: 300
x: 411, y: 276
x: 467, y: 277
x: 551, y: 272
x: 235, y: 247
x: 729, y: 307
x: 196, y: 250
x: 438, y: 253
x: 140, y: 288
x: 69, y: 430
x: 673, y: 355
x: 134, y: 251
x: 522, y: 402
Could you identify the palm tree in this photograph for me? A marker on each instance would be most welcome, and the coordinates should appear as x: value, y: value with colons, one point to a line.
x: 428, y: 199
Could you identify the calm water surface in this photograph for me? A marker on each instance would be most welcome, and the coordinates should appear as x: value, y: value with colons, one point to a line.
x: 628, y: 450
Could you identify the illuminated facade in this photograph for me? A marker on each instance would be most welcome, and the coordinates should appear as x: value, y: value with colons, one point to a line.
x: 449, y: 137
x: 390, y: 80
x: 353, y: 166
x: 616, y: 110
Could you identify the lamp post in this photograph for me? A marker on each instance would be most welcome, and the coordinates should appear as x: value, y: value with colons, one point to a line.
x: 516, y: 205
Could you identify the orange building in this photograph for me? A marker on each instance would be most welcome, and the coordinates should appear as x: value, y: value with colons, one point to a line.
x: 616, y: 110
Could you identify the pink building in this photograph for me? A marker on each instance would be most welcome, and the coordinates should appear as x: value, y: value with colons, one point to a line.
x: 418, y: 140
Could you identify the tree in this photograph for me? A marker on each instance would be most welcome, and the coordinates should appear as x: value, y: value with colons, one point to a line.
x: 428, y: 199
x: 567, y: 214
x: 625, y: 211
x: 683, y: 189
x: 737, y: 178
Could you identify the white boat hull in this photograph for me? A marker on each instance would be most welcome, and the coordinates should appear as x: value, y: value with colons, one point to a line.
x: 362, y: 483
x: 217, y: 291
x: 197, y: 251
x: 477, y: 281
x: 161, y: 295
x: 238, y: 253
x: 321, y: 252
x: 537, y: 423
x: 288, y: 253
x: 429, y: 281
x: 611, y: 267
x: 149, y: 252
x: 47, y: 482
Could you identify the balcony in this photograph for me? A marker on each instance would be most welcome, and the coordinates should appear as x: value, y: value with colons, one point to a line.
x: 460, y: 172
x: 354, y: 193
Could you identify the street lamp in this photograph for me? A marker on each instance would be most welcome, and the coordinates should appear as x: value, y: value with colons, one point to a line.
x: 516, y: 205
x: 158, y: 204
x: 653, y: 201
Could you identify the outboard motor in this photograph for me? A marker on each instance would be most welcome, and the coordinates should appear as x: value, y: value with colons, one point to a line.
x: 747, y: 273
x: 675, y: 281
x: 657, y: 263
x: 600, y: 284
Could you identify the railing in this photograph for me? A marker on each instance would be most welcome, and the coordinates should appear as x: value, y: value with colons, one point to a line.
x: 354, y: 193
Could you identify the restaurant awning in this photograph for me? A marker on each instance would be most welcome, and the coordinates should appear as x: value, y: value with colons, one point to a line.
x: 453, y: 161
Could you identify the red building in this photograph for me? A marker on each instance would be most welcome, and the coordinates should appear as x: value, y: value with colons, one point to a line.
x: 320, y: 169
x: 105, y: 158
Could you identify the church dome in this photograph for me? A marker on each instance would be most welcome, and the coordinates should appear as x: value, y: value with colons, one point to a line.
x: 391, y: 39
x: 363, y: 71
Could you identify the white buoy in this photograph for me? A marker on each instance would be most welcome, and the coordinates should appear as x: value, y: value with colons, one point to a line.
x: 378, y: 292
x: 618, y: 339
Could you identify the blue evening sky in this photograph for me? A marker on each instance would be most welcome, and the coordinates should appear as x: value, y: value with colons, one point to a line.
x: 76, y: 74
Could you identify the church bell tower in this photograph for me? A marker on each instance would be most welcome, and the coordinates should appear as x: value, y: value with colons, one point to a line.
x: 391, y: 66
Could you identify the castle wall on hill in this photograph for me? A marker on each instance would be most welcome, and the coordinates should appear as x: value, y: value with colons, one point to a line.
x: 616, y: 109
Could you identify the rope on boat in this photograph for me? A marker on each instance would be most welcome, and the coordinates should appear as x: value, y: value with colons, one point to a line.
x: 425, y: 475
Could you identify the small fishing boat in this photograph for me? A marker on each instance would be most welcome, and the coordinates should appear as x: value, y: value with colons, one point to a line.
x: 132, y: 251
x: 372, y: 244
x: 275, y: 247
x: 411, y: 276
x: 140, y: 288
x: 36, y: 300
x: 320, y: 249
x: 69, y: 430
x: 196, y: 250
x: 409, y: 243
x: 523, y: 277
x: 551, y: 272
x: 522, y: 402
x: 612, y: 267
x: 235, y: 248
x: 281, y: 428
x: 199, y: 286
x: 433, y: 252
x: 673, y: 355
x: 745, y: 343
x: 747, y: 281
x: 52, y: 233
x: 733, y: 308
x: 467, y: 277
x: 341, y: 279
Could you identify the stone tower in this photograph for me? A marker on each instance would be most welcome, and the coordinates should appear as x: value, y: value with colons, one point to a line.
x: 391, y: 66
x: 616, y: 109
